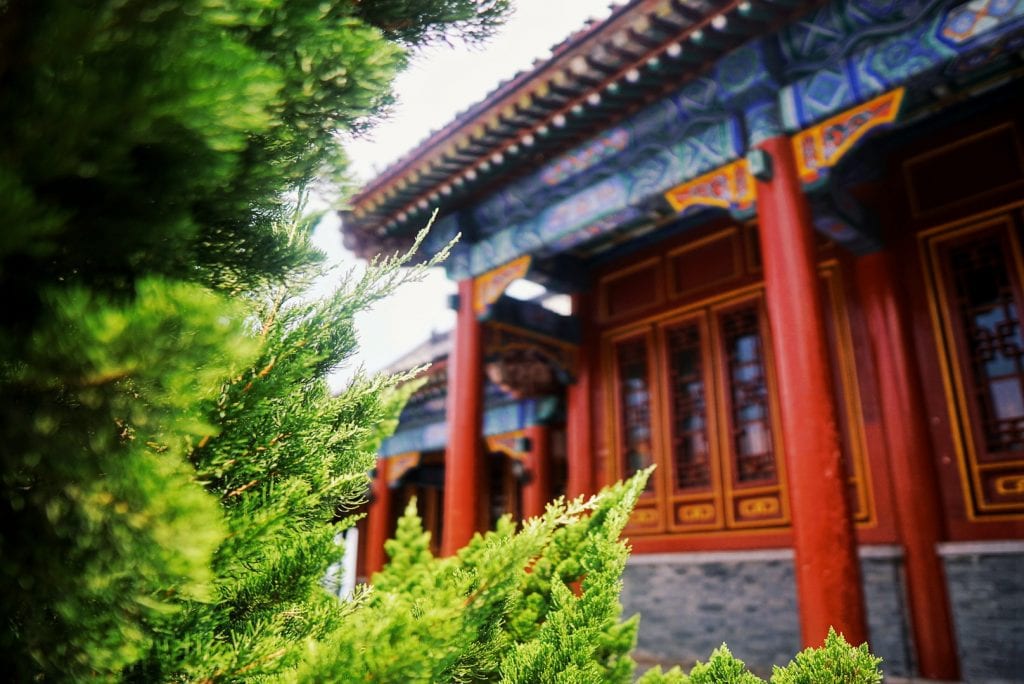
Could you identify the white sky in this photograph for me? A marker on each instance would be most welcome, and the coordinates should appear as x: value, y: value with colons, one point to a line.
x: 440, y: 83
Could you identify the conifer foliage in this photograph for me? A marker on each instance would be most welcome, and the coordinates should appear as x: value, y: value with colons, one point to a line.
x: 172, y: 462
x: 499, y: 610
x: 835, y: 662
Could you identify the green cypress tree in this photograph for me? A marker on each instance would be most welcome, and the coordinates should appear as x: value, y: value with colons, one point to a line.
x: 171, y: 457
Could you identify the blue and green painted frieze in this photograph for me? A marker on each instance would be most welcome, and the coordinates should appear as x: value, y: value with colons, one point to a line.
x: 835, y: 58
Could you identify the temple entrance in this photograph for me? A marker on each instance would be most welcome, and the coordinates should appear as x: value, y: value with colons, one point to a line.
x: 425, y: 482
x: 504, y: 477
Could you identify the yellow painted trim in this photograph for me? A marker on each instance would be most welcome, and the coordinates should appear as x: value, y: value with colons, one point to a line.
x: 680, y: 201
x: 951, y: 373
x: 489, y: 286
x: 812, y: 140
x: 532, y: 335
x: 494, y: 444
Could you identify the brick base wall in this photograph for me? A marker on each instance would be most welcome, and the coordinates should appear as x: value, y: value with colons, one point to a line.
x: 691, y: 603
x: 986, y: 582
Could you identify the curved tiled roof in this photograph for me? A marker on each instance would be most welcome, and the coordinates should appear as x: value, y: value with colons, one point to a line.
x: 596, y: 76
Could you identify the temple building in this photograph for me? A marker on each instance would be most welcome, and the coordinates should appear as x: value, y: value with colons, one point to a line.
x: 791, y: 236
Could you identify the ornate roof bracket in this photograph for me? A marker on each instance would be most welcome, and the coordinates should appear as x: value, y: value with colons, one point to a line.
x: 488, y: 287
x: 729, y: 187
x: 818, y: 150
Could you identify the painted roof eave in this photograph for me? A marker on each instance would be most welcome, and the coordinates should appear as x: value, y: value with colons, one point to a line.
x: 596, y: 76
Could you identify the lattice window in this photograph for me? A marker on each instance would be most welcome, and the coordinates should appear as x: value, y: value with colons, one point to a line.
x: 635, y: 401
x: 693, y: 393
x: 978, y: 301
x: 688, y: 405
x: 990, y: 327
x: 753, y: 453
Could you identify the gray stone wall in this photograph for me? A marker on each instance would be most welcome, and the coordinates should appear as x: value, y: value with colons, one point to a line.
x: 881, y: 569
x: 691, y: 603
x: 986, y: 589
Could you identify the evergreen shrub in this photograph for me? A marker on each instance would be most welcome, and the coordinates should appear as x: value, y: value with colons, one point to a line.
x: 834, y: 662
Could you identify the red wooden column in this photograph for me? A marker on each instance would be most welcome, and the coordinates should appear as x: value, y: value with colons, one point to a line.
x: 829, y: 591
x: 537, y: 491
x: 579, y: 448
x: 377, y: 519
x: 918, y: 508
x: 464, y: 410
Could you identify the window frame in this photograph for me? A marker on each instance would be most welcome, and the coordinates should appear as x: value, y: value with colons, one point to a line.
x: 689, y: 509
x: 647, y: 515
x: 977, y: 474
x: 659, y: 511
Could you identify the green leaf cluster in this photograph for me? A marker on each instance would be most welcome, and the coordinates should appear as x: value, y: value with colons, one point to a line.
x: 835, y: 662
x: 465, y: 618
x: 416, y: 23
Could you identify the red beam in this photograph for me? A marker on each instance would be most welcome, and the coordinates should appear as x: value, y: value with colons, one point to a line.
x: 829, y: 591
x: 580, y: 452
x: 377, y: 520
x: 919, y: 511
x: 464, y: 411
x: 537, y: 490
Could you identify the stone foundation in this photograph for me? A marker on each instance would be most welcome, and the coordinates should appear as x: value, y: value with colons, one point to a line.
x: 692, y: 602
x: 986, y: 581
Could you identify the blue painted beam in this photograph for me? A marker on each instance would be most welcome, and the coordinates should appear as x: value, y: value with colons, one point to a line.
x: 913, y: 46
x: 838, y: 57
x: 499, y: 417
x: 612, y: 201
